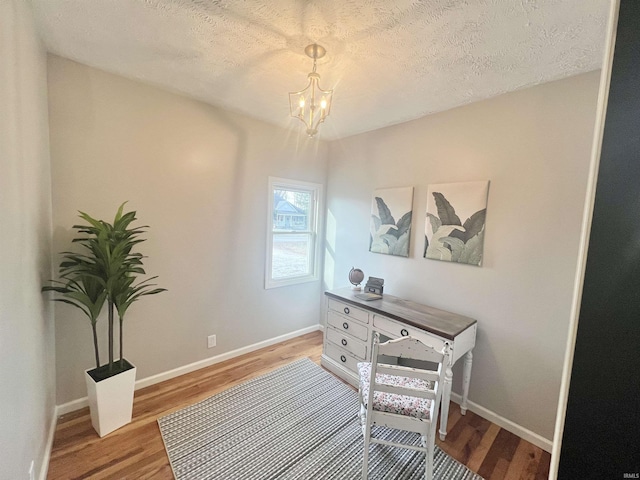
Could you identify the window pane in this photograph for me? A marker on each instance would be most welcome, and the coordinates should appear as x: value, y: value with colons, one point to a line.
x: 292, y: 234
x: 291, y: 210
x: 291, y: 255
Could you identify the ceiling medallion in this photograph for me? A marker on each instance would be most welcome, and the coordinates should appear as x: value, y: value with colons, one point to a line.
x: 312, y: 104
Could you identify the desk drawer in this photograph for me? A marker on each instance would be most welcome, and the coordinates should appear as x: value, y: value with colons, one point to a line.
x: 349, y: 310
x: 341, y: 356
x: 347, y: 325
x: 356, y: 347
x: 397, y: 329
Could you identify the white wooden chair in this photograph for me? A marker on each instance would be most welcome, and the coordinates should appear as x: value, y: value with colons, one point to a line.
x: 401, y: 397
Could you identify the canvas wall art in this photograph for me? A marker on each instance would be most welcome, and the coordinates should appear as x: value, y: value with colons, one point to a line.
x: 391, y: 211
x: 454, y: 228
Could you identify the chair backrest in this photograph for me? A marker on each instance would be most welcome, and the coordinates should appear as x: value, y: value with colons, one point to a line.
x: 414, y: 349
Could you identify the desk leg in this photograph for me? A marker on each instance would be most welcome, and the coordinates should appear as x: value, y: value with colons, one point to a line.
x: 466, y: 380
x: 446, y: 396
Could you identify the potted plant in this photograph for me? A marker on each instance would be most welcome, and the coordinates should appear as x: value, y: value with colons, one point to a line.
x: 106, y: 270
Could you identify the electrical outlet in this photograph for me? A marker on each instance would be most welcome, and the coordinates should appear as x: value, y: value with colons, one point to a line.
x: 32, y: 473
x: 211, y: 341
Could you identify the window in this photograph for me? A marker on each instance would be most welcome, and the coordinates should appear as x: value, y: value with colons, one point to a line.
x: 292, y: 232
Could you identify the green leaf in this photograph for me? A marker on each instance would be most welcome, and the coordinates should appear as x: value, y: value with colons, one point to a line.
x: 77, y: 305
x: 401, y: 248
x: 404, y: 225
x: 119, y: 212
x: 390, y: 240
x: 472, y: 226
x: 472, y: 254
x: 434, y: 221
x: 437, y: 249
x: 385, y: 214
x: 446, y: 212
x: 439, y: 252
x: 97, y: 224
x: 456, y: 246
x: 376, y: 223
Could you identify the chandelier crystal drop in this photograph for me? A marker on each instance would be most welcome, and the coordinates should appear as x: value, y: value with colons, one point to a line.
x: 312, y: 104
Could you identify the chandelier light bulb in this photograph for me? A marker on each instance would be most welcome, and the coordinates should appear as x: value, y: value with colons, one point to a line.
x: 308, y: 112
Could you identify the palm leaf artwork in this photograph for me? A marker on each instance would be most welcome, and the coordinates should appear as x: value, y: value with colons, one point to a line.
x: 388, y: 235
x: 106, y: 270
x: 446, y: 237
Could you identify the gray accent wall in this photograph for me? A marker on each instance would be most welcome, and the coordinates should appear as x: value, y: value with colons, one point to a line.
x: 197, y: 175
x: 534, y: 146
x: 27, y: 375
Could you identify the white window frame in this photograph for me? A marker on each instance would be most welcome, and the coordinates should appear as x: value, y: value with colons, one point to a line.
x: 313, y: 231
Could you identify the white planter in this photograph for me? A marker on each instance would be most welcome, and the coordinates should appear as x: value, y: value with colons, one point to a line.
x: 111, y: 400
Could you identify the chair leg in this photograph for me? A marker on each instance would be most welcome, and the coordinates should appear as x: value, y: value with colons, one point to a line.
x: 365, y: 457
x: 428, y: 469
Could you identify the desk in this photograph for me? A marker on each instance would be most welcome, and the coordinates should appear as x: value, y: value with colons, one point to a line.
x: 351, y: 323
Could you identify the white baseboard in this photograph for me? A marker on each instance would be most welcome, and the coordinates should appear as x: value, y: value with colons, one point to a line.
x: 79, y: 403
x: 524, y: 433
x: 72, y: 406
x: 176, y: 372
x: 44, y: 466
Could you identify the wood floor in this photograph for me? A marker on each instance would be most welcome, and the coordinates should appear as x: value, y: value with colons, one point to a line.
x: 137, y: 452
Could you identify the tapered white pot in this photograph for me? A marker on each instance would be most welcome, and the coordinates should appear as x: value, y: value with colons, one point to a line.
x: 111, y: 400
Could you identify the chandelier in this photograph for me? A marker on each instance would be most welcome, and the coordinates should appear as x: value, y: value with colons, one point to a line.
x: 312, y: 104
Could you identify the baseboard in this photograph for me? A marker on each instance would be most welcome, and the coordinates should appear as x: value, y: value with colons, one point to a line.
x: 176, y: 372
x: 72, y: 406
x: 44, y: 466
x: 524, y: 433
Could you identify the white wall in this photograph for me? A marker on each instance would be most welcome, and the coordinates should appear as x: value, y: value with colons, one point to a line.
x: 197, y: 175
x: 27, y: 389
x: 534, y: 146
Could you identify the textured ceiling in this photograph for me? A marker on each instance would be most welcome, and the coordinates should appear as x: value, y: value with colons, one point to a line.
x: 388, y: 61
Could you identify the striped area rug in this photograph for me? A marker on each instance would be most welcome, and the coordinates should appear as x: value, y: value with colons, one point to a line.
x: 298, y: 422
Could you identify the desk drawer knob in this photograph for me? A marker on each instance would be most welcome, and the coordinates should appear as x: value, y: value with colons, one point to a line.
x: 346, y: 310
x: 404, y: 332
x: 344, y: 342
x: 345, y: 325
x: 343, y: 358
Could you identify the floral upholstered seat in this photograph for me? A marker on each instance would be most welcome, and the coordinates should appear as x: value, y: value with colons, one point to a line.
x: 395, y: 403
x: 401, y: 397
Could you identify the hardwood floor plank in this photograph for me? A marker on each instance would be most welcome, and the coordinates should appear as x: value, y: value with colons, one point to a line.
x: 480, y: 452
x: 499, y: 471
x: 524, y: 465
x: 136, y: 451
x: 543, y: 466
x: 499, y: 456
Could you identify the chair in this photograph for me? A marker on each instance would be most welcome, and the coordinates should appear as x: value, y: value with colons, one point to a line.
x: 401, y: 397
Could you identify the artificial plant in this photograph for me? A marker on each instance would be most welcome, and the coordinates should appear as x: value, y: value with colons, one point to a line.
x: 106, y: 270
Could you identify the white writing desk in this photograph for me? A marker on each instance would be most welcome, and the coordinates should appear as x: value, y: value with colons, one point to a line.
x: 351, y: 323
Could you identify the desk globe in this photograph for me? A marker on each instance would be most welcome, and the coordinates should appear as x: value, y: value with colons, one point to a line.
x: 355, y: 277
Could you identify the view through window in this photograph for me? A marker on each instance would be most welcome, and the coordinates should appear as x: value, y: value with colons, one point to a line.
x: 292, y: 249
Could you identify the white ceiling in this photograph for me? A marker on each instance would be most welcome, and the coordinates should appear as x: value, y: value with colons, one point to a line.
x: 388, y: 61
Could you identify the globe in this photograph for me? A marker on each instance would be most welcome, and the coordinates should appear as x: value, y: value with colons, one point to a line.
x: 355, y: 277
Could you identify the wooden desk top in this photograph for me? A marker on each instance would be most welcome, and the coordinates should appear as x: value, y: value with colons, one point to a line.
x: 440, y: 322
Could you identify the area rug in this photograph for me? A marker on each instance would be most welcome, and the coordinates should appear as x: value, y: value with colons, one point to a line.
x: 298, y: 422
